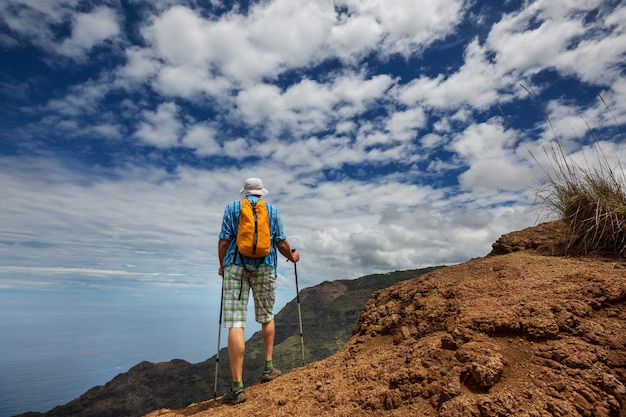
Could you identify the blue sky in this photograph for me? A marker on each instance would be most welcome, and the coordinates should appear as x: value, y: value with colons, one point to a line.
x: 127, y: 126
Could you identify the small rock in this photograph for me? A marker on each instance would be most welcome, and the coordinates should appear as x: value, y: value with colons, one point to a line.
x: 448, y: 342
x: 484, y: 371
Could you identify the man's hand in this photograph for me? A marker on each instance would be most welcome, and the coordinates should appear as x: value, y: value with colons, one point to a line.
x: 287, y: 252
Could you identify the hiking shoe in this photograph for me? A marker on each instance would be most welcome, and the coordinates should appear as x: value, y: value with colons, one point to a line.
x: 269, y: 374
x: 234, y: 397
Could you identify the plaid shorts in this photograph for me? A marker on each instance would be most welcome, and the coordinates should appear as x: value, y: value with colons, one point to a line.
x: 238, y: 280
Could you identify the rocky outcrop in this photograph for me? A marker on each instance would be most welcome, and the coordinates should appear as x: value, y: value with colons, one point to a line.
x: 546, y: 239
x: 519, y: 334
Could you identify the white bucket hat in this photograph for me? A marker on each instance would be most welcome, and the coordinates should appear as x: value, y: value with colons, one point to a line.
x: 253, y: 186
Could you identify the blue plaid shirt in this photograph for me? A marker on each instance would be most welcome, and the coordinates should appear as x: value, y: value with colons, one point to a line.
x: 230, y: 225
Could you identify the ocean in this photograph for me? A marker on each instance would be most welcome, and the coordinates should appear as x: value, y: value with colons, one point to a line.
x: 55, y: 346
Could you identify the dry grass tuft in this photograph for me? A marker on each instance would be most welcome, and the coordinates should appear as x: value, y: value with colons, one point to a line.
x: 590, y: 201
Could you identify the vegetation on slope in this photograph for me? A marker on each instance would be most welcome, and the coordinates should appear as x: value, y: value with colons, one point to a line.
x: 330, y: 311
x: 589, y: 194
x: 590, y: 200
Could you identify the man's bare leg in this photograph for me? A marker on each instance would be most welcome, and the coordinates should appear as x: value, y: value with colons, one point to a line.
x: 236, y: 348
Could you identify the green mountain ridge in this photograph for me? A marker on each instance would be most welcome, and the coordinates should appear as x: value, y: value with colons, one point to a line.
x: 330, y: 311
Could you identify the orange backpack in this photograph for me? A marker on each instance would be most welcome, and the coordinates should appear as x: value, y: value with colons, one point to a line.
x: 253, y: 233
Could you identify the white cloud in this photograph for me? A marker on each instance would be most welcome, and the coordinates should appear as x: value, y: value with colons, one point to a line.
x: 484, y: 140
x: 596, y: 61
x: 140, y: 65
x: 202, y: 138
x: 239, y: 148
x: 32, y: 21
x: 36, y: 23
x: 310, y: 106
x: 157, y: 222
x: 233, y: 85
x: 165, y: 223
x: 522, y: 50
x: 496, y: 173
x: 478, y: 83
x: 161, y: 128
x: 259, y: 103
x: 425, y: 232
x: 187, y: 82
x: 179, y: 36
x: 80, y: 100
x: 277, y: 36
x: 495, y: 160
x: 432, y: 140
x: 288, y: 34
x: 403, y: 125
x: 563, y: 39
x: 355, y: 35
x: 404, y: 25
x: 237, y: 48
x: 89, y: 30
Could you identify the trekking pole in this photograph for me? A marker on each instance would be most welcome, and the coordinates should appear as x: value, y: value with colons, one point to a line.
x: 219, y: 335
x: 295, y: 270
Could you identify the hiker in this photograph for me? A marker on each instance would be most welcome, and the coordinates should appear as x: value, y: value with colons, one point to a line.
x: 240, y: 274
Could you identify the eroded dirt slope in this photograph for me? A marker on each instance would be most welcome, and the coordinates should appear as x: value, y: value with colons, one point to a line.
x: 517, y: 333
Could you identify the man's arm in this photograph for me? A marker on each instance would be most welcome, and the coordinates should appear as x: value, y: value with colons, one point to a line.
x: 222, y: 248
x: 285, y: 250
